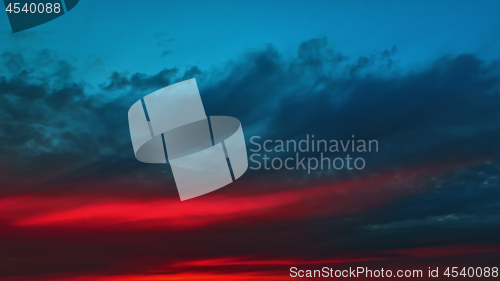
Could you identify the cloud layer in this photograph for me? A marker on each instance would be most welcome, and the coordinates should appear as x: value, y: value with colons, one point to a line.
x: 75, y: 202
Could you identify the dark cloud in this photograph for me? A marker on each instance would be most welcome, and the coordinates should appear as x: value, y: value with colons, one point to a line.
x: 19, y: 87
x: 320, y: 50
x: 64, y: 71
x: 165, y: 53
x: 140, y: 81
x: 446, y: 112
x: 389, y: 52
x: 65, y: 97
x: 118, y: 82
x: 14, y: 61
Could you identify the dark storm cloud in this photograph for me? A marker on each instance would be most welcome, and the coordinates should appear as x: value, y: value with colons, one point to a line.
x: 446, y: 112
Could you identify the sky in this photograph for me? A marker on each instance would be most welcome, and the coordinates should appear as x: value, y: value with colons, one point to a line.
x: 420, y: 77
x: 125, y: 35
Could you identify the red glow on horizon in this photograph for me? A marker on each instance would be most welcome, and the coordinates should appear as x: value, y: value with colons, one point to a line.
x: 93, y: 211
